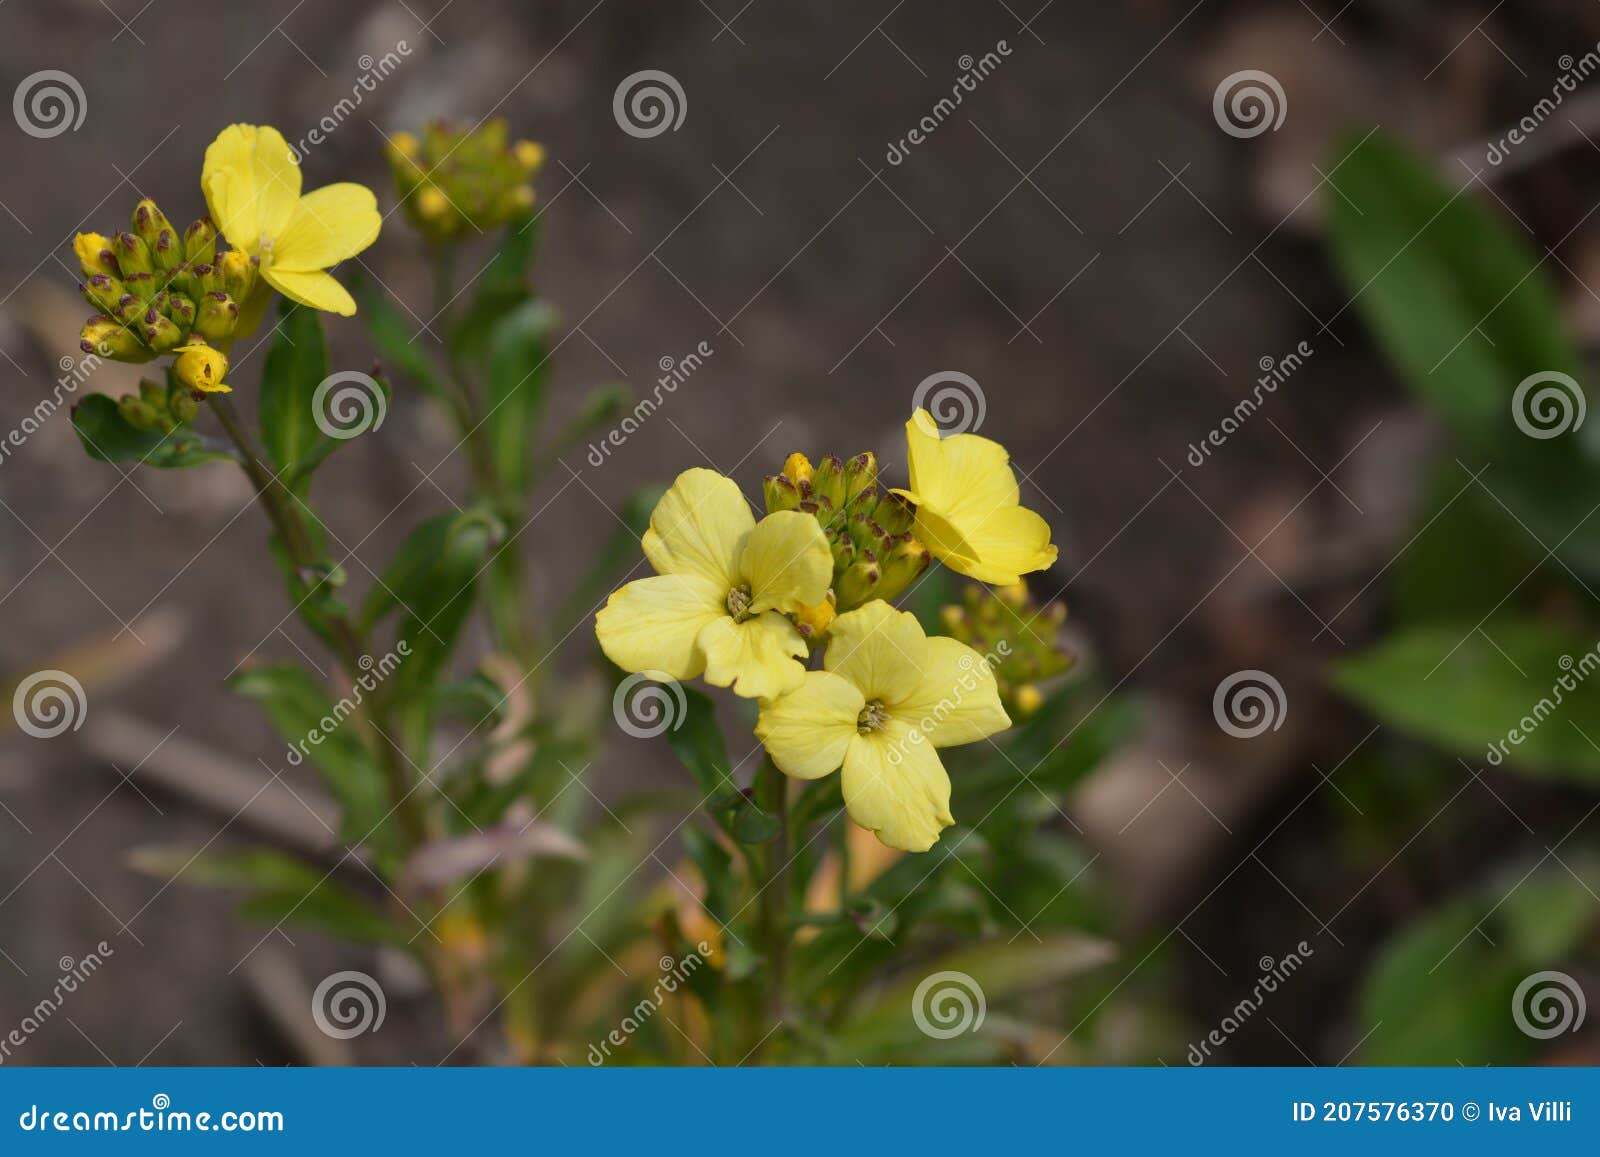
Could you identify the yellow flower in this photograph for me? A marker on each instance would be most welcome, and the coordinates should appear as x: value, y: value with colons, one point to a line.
x: 887, y: 698
x: 723, y: 585
x: 252, y: 185
x: 202, y: 368
x: 968, y: 506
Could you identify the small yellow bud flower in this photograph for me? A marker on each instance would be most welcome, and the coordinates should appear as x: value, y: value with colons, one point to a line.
x: 522, y: 198
x: 404, y: 144
x: 797, y: 468
x: 202, y: 368
x: 1014, y: 593
x: 432, y: 204
x: 1028, y: 700
x: 94, y: 254
x: 814, y: 621
x: 529, y: 154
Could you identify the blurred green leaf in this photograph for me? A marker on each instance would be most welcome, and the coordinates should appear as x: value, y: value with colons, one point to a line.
x: 393, y: 337
x: 716, y: 869
x: 503, y: 286
x: 1466, y: 688
x: 106, y: 435
x: 296, y: 364
x: 1460, y: 522
x: 620, y: 552
x: 438, y: 597
x: 519, y: 351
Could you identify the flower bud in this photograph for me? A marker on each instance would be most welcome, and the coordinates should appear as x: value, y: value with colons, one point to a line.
x: 828, y: 480
x: 813, y: 622
x: 202, y: 368
x: 138, y: 413
x: 530, y: 155
x: 217, y: 316
x: 104, y: 336
x: 102, y: 291
x: 238, y: 274
x: 141, y: 285
x: 181, y: 404
x: 895, y: 514
x: 860, y: 473
x: 200, y: 242
x: 797, y: 468
x: 779, y: 493
x: 907, y: 559
x: 95, y: 255
x: 1025, y: 701
x: 858, y: 583
x: 133, y: 255
x: 160, y: 334
x: 181, y: 310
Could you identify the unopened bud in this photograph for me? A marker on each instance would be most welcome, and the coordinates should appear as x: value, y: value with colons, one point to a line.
x: 859, y: 581
x: 217, y: 316
x: 133, y: 255
x: 200, y: 242
x: 238, y: 273
x: 183, y: 406
x: 202, y: 368
x: 95, y: 255
x: 102, y: 291
x: 860, y: 473
x: 138, y: 413
x: 181, y: 310
x: 160, y: 334
x: 797, y: 468
x: 530, y: 155
x: 105, y: 337
x: 779, y: 493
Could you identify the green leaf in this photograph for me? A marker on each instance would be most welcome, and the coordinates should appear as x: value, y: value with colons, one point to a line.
x: 503, y: 286
x: 296, y: 364
x: 1441, y: 991
x: 1470, y: 690
x: 283, y: 889
x: 408, y: 571
x: 716, y: 868
x: 439, y: 597
x: 1466, y: 310
x: 1460, y: 522
x: 107, y: 436
x: 393, y: 338
x: 322, y: 733
x: 519, y: 351
x: 697, y: 742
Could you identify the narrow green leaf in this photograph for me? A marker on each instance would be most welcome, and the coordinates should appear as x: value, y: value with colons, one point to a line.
x: 519, y: 351
x: 296, y: 364
x: 438, y: 599
x: 503, y: 286
x: 108, y: 437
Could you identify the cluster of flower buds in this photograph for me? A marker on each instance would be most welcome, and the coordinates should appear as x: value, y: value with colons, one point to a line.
x: 154, y: 289
x: 454, y: 180
x: 875, y: 555
x: 159, y: 407
x: 1021, y: 640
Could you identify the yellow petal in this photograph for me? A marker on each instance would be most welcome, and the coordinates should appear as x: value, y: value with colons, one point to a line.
x: 879, y: 649
x: 698, y: 527
x: 808, y: 730
x: 312, y: 287
x: 757, y: 658
x: 652, y: 624
x: 787, y: 562
x: 958, y: 474
x: 251, y: 183
x: 998, y: 548
x: 956, y: 700
x: 328, y: 225
x: 895, y: 786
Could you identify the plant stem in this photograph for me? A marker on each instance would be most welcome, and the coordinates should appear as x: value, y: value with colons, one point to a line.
x: 775, y: 890
x: 282, y: 509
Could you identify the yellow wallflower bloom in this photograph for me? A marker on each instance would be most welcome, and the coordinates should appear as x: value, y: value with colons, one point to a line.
x: 202, y: 368
x: 252, y: 186
x: 722, y: 586
x: 969, y: 511
x: 888, y: 697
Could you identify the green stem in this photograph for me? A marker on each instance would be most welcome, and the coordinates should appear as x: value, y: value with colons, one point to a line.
x: 282, y: 509
x: 774, y: 795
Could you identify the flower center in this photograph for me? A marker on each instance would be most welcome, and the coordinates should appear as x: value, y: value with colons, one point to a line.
x: 873, y: 717
x: 739, y: 603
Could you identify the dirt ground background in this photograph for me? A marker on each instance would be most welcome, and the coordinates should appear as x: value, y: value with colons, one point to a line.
x: 1080, y: 237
